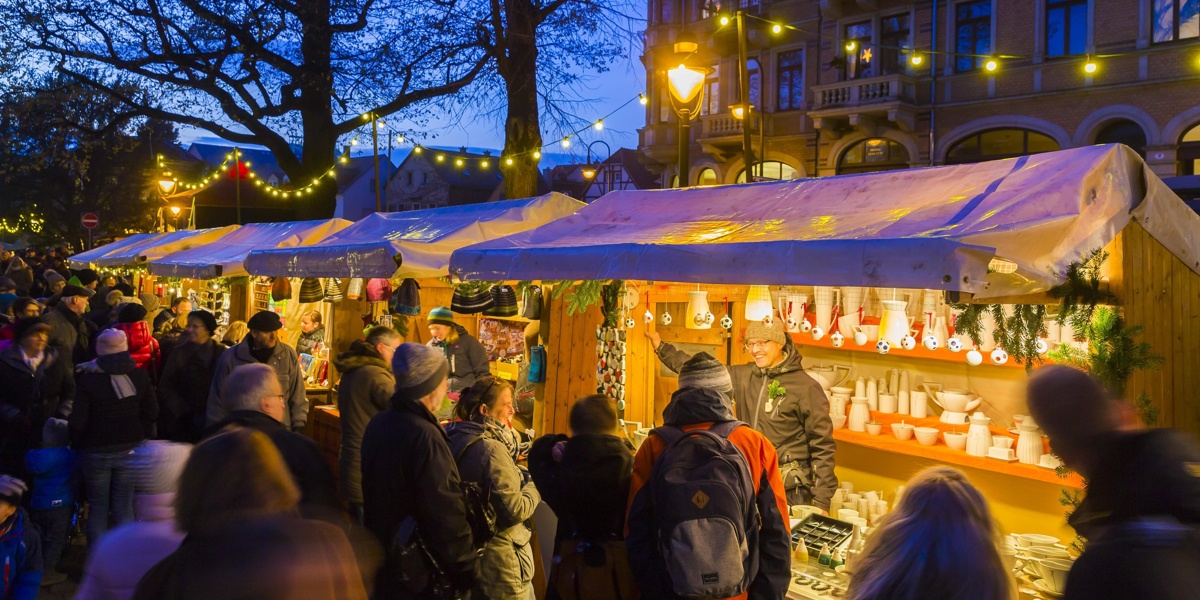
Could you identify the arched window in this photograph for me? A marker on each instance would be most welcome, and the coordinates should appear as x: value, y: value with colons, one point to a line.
x: 707, y: 177
x: 999, y: 143
x: 1124, y: 131
x: 1188, y: 154
x: 869, y: 156
x: 772, y: 170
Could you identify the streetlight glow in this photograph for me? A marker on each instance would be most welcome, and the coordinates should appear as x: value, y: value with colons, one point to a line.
x: 685, y: 83
x: 724, y: 20
x: 916, y: 59
x: 777, y: 28
x: 566, y: 142
x: 1090, y: 66
x: 991, y: 65
x: 850, y: 46
x: 643, y: 99
x: 599, y: 125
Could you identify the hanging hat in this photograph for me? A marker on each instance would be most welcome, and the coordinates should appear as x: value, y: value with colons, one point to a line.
x: 379, y: 290
x: 470, y: 299
x: 310, y: 290
x: 531, y: 303
x: 333, y: 290
x: 281, y: 289
x: 407, y: 299
x: 354, y: 291
x: 504, y: 301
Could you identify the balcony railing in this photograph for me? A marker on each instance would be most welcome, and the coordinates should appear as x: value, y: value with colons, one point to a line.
x: 858, y: 92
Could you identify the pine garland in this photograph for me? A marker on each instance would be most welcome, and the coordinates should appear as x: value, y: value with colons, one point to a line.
x: 1082, y: 291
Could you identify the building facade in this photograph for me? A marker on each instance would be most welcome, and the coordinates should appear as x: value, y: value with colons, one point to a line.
x: 853, y: 86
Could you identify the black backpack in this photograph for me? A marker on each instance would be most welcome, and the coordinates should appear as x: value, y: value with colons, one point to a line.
x: 704, y: 512
x: 481, y: 514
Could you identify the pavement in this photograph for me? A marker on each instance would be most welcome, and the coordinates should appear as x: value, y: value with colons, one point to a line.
x: 71, y: 563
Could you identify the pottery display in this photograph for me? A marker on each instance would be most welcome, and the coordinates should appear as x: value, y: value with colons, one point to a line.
x: 829, y: 375
x: 698, y: 314
x: 902, y: 431
x: 957, y: 400
x: 859, y: 414
x: 874, y: 428
x: 837, y: 339
x: 918, y: 405
x: 979, y: 436
x: 956, y: 441
x: 895, y: 322
x: 926, y: 436
x: 887, y: 403
x: 824, y: 299
x: 1029, y: 443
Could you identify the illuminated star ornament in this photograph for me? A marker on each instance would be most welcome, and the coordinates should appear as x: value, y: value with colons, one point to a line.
x: 866, y: 55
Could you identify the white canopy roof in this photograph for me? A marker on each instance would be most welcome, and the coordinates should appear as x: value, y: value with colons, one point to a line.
x: 224, y: 257
x: 87, y: 260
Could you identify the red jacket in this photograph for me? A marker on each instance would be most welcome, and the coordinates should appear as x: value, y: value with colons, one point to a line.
x: 143, y: 347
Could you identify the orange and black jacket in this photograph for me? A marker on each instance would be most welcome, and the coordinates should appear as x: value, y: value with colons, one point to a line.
x: 691, y: 409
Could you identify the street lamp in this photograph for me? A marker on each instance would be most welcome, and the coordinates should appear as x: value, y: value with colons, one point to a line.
x: 686, y: 86
x: 167, y: 185
x: 590, y: 172
x: 175, y: 210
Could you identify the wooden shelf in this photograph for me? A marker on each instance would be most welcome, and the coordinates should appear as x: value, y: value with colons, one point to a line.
x: 888, y: 442
x: 942, y: 354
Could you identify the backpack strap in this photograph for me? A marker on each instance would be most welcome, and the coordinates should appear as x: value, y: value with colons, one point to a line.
x: 671, y: 433
x: 463, y: 451
x: 725, y: 428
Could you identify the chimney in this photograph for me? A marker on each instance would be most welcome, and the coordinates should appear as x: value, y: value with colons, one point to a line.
x: 462, y: 149
x: 346, y: 151
x: 487, y: 152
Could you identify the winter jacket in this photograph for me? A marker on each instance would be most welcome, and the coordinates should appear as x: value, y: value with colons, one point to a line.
x: 318, y: 493
x: 29, y: 398
x: 506, y: 565
x: 69, y: 334
x: 102, y: 421
x: 183, y: 389
x: 1141, y: 517
x: 54, y: 477
x: 798, y: 425
x: 588, y: 490
x: 163, y: 317
x: 287, y: 368
x: 408, y: 471
x: 18, y: 271
x: 307, y: 342
x: 124, y: 555
x: 278, y: 557
x: 365, y: 390
x: 468, y: 359
x: 143, y: 347
x: 171, y: 339
x: 21, y: 551
x: 690, y: 409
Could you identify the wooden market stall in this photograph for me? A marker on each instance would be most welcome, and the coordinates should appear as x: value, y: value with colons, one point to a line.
x: 1001, y: 233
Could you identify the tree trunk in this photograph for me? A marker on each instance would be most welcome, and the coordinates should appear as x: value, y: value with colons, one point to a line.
x: 316, y: 112
x: 522, y: 130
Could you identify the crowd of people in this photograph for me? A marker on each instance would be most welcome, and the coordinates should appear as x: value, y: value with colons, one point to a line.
x: 199, y: 483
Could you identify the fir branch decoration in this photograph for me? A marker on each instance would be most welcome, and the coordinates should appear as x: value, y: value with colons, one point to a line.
x: 1017, y: 334
x: 970, y: 321
x: 1081, y: 291
x: 610, y: 302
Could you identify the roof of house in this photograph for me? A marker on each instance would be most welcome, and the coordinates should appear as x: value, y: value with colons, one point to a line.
x: 632, y: 162
x: 262, y: 162
x: 359, y: 167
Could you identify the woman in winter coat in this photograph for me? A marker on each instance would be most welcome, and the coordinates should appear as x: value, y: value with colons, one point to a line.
x: 186, y: 379
x: 115, y: 410
x: 312, y: 332
x: 482, y: 447
x: 131, y: 319
x: 468, y: 359
x: 37, y: 385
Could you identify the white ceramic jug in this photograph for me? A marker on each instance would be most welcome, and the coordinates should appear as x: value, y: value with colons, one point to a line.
x: 825, y: 297
x: 979, y: 435
x: 698, y: 314
x: 859, y: 414
x: 853, y: 300
x: 895, y: 323
x: 1029, y: 443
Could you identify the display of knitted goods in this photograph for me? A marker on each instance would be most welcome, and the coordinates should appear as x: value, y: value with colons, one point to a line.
x: 281, y: 289
x: 470, y: 300
x: 504, y: 301
x: 531, y: 303
x: 310, y: 290
x: 333, y: 290
x: 407, y: 299
x: 379, y: 290
x: 354, y: 291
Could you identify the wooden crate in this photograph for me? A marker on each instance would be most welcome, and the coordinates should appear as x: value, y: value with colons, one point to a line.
x: 327, y: 432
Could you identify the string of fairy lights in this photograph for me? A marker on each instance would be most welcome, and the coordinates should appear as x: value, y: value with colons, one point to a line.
x: 30, y: 222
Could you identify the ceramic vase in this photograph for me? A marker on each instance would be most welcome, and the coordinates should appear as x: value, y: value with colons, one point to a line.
x: 1029, y: 443
x: 859, y: 415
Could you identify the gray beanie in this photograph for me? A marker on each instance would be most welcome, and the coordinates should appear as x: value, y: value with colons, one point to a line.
x: 419, y: 370
x: 772, y: 332
x: 702, y: 371
x: 54, y: 434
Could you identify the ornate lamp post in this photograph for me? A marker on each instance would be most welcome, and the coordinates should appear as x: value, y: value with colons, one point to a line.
x: 686, y: 86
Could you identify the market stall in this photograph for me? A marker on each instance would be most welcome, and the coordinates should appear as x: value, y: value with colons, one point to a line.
x: 87, y: 260
x: 893, y: 286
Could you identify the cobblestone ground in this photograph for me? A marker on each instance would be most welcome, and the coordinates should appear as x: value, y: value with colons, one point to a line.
x: 71, y: 563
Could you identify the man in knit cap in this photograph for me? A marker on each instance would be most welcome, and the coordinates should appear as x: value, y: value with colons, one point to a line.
x: 262, y: 346
x: 409, y: 477
x: 701, y: 403
x: 776, y: 397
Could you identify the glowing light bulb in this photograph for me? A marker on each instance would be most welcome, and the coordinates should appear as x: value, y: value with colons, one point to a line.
x: 724, y: 20
x: 777, y: 28
x: 458, y: 162
x: 850, y: 46
x: 643, y: 99
x: 599, y: 125
x: 508, y: 161
x: 417, y: 150
x: 441, y: 157
x: 1090, y: 66
x: 483, y: 164
x: 991, y: 65
x: 917, y: 59
x: 537, y: 154
x: 566, y: 142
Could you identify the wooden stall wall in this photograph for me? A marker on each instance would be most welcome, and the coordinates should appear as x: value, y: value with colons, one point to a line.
x: 1159, y: 292
x: 570, y: 361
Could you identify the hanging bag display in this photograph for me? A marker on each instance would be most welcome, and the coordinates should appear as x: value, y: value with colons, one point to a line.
x: 537, y: 364
x: 531, y: 303
x: 310, y: 290
x: 504, y: 301
x: 281, y: 289
x: 333, y: 290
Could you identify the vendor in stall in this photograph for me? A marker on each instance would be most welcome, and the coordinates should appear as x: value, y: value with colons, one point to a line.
x: 468, y: 359
x: 312, y: 332
x: 776, y: 397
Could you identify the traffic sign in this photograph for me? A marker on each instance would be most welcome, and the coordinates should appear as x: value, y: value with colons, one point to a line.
x: 89, y: 220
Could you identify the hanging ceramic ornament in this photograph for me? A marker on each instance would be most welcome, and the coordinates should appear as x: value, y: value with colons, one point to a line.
x: 908, y: 342
x: 1041, y: 346
x: 954, y: 344
x: 665, y: 319
x: 930, y: 342
x: 974, y: 357
x: 837, y: 339
x: 860, y: 337
x: 883, y: 346
x: 817, y: 333
x: 648, y: 317
x: 630, y: 323
x: 999, y: 356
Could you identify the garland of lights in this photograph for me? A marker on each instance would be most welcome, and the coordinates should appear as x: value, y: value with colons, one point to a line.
x: 30, y: 222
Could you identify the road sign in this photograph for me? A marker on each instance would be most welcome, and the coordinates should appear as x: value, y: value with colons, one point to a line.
x: 89, y: 220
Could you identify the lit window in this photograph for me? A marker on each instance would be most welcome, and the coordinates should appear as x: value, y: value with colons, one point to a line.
x: 789, y: 80
x: 1176, y: 20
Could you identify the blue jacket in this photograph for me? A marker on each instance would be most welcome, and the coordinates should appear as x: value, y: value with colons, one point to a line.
x: 53, y: 477
x: 21, y: 553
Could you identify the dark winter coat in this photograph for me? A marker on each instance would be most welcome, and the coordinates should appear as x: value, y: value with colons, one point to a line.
x: 142, y: 347
x: 70, y: 335
x: 286, y: 363
x: 183, y: 390
x: 365, y: 390
x: 798, y: 425
x: 468, y: 359
x: 307, y: 342
x: 103, y: 422
x: 281, y: 558
x: 29, y: 398
x: 1141, y: 517
x: 588, y: 490
x: 21, y: 553
x: 318, y: 494
x: 163, y: 317
x: 506, y: 566
x: 408, y: 471
x: 54, y: 477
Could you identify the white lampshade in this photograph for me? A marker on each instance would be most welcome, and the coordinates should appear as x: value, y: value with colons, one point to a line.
x: 758, y: 303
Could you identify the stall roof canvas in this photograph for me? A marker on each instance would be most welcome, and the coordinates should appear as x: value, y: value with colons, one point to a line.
x: 224, y: 257
x: 162, y: 244
x: 87, y: 260
x: 410, y: 244
x: 936, y: 228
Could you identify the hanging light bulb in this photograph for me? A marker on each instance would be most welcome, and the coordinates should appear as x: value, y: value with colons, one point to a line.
x: 916, y: 59
x: 441, y: 157
x: 508, y: 161
x: 724, y: 20
x: 777, y: 28
x: 417, y: 150
x: 1089, y: 66
x: 537, y: 153
x: 643, y: 99
x: 458, y: 162
x: 599, y: 125
x: 566, y: 142
x: 851, y: 46
x: 991, y: 65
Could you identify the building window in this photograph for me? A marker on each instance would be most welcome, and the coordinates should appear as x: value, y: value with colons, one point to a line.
x: 1124, y: 131
x: 709, y: 8
x: 972, y: 34
x: 894, y: 41
x: 666, y: 12
x: 710, y: 104
x: 1188, y: 153
x: 409, y: 175
x: 789, y: 80
x: 1176, y: 20
x: 997, y: 144
x: 1066, y: 27
x: 869, y: 156
x: 860, y: 62
x: 772, y: 170
x: 707, y: 177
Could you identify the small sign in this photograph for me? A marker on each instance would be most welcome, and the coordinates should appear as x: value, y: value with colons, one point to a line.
x: 89, y: 220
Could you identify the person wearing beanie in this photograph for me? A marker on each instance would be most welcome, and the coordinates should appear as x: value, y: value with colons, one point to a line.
x: 20, y: 543
x: 87, y: 278
x: 37, y: 384
x: 409, y: 471
x: 775, y: 396
x: 6, y: 303
x: 54, y: 282
x: 127, y: 553
x: 131, y: 319
x: 262, y: 345
x: 70, y: 333
x: 53, y: 501
x: 115, y: 411
x: 151, y: 304
x: 702, y: 403
x: 468, y: 359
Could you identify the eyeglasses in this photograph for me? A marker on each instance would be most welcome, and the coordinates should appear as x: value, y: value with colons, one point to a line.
x: 756, y: 345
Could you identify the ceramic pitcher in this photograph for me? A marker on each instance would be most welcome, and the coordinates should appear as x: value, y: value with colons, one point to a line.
x: 979, y: 435
x: 824, y: 297
x: 859, y: 414
x: 1029, y: 443
x: 895, y: 323
x: 698, y: 314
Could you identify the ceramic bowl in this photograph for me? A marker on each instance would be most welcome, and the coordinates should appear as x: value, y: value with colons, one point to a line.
x: 1054, y: 573
x: 874, y: 428
x: 927, y: 436
x: 902, y: 431
x: 839, y: 421
x: 872, y: 332
x: 957, y: 441
x: 843, y: 391
x: 1026, y: 540
x: 1045, y: 552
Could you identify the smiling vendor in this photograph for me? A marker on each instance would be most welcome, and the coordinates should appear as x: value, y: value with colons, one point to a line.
x: 776, y: 397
